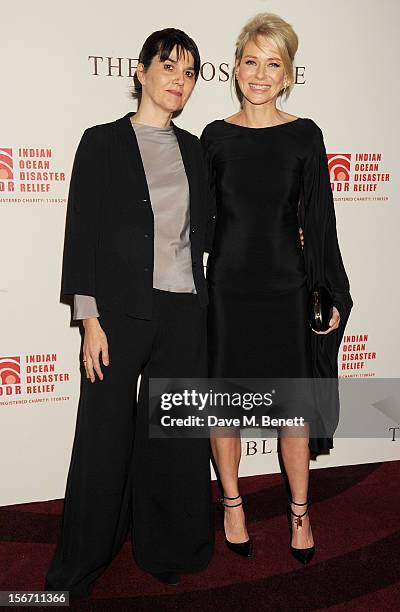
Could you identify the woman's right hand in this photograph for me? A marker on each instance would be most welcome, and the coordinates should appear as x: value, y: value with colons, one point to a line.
x: 95, y: 342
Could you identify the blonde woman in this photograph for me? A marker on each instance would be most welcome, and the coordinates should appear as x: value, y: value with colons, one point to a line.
x: 266, y: 168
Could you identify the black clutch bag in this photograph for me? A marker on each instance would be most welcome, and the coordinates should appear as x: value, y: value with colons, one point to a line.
x: 319, y: 308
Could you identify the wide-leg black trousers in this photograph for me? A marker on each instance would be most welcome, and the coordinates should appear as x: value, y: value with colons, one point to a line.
x: 119, y: 478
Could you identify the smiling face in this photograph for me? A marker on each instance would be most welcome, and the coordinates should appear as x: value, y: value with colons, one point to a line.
x: 260, y: 72
x: 168, y: 84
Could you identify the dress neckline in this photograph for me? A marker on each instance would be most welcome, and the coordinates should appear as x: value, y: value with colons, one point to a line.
x: 268, y: 127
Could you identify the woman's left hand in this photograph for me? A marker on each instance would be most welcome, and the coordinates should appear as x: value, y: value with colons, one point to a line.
x: 333, y: 323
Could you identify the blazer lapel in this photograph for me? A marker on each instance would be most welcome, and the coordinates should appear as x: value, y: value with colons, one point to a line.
x: 191, y: 173
x: 132, y: 151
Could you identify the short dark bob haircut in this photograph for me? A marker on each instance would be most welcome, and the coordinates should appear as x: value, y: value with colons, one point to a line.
x: 161, y: 44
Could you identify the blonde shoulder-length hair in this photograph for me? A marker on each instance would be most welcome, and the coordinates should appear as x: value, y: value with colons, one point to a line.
x: 277, y: 30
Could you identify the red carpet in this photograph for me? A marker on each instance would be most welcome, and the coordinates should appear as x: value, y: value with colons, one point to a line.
x: 356, y: 526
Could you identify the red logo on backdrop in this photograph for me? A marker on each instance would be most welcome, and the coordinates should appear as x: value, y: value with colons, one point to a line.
x: 28, y: 170
x: 10, y: 370
x: 339, y: 166
x: 357, y: 357
x: 37, y: 376
x: 6, y: 164
x: 357, y: 177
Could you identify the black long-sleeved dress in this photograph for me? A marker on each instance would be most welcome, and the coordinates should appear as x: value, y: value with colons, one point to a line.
x: 266, y: 182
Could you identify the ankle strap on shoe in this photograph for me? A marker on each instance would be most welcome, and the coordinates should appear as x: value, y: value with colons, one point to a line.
x: 298, y: 518
x: 230, y: 499
x: 299, y: 515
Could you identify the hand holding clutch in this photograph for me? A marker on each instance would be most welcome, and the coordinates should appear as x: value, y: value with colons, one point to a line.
x: 323, y: 316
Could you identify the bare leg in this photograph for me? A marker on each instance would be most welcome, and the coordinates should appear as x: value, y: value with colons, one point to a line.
x: 227, y: 452
x: 296, y: 458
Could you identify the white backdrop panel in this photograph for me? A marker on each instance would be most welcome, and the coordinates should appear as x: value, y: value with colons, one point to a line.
x: 347, y: 65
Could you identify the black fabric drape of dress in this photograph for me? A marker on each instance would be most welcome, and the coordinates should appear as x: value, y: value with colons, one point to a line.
x: 263, y: 183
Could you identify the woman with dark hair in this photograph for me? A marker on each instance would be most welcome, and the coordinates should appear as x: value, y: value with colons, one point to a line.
x: 134, y: 241
x: 269, y: 174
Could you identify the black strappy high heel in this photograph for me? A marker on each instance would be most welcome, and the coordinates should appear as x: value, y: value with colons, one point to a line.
x: 244, y: 549
x: 304, y: 555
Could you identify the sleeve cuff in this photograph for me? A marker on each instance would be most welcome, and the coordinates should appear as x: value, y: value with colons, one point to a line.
x: 85, y: 307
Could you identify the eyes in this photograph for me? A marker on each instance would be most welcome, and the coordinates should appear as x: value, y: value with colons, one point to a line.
x: 250, y: 62
x: 170, y: 68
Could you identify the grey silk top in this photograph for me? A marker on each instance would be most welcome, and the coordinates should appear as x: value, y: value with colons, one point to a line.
x: 169, y: 195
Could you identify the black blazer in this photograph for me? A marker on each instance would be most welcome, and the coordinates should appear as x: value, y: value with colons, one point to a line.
x: 109, y: 232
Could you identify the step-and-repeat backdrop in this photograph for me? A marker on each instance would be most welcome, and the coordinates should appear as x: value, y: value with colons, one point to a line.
x: 68, y: 65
